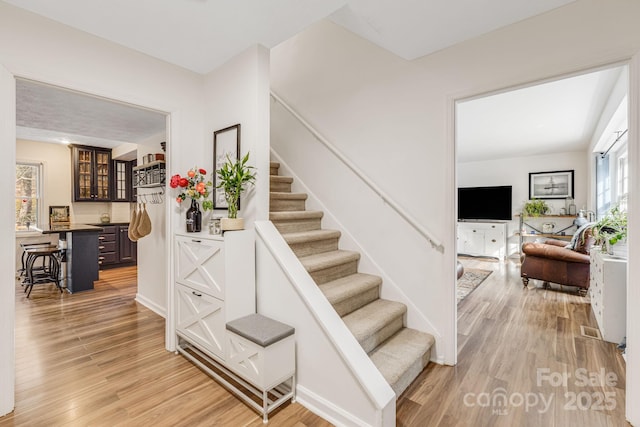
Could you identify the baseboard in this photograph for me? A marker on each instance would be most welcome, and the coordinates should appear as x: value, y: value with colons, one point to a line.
x: 151, y: 306
x: 325, y: 409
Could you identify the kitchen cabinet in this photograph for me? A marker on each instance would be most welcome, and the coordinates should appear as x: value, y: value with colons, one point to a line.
x: 115, y: 249
x: 127, y: 248
x: 122, y: 190
x: 91, y: 174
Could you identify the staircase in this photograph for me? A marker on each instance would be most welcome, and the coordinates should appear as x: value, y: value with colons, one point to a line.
x: 399, y: 353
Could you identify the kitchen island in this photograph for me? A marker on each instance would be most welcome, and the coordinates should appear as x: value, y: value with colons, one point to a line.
x: 80, y: 258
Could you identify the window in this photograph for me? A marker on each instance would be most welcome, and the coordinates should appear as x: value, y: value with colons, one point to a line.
x: 28, y: 195
x: 623, y: 181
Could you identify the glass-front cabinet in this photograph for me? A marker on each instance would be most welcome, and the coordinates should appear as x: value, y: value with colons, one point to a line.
x: 122, y: 185
x: 92, y: 174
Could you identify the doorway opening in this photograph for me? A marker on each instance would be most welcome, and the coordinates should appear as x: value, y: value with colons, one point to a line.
x: 561, y: 127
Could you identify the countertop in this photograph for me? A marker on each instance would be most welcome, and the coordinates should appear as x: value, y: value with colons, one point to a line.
x: 65, y: 228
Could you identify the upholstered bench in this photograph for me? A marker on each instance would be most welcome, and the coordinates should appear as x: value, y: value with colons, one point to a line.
x: 262, y: 352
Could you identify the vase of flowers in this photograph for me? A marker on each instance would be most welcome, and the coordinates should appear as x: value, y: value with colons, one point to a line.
x: 197, y: 187
x: 234, y: 177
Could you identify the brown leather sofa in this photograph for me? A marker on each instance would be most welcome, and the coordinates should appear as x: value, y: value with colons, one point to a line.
x: 552, y: 262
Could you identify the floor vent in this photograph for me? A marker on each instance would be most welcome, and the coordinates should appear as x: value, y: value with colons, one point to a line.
x: 589, y: 332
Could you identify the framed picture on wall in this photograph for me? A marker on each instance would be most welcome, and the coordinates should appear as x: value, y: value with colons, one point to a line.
x: 58, y: 215
x: 226, y: 145
x: 551, y: 185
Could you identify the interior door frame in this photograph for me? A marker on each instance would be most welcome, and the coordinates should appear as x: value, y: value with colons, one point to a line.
x: 632, y: 380
x: 7, y: 216
x: 7, y: 219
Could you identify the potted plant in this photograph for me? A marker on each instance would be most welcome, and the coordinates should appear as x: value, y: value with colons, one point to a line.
x: 535, y: 207
x: 611, y: 231
x: 234, y: 177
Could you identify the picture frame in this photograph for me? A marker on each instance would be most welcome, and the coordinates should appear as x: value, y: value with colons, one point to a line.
x: 58, y: 215
x: 226, y: 142
x: 551, y: 185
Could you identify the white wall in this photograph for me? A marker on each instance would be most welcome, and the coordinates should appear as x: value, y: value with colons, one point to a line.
x: 153, y: 276
x: 395, y: 119
x: 43, y: 50
x: 515, y: 172
x: 238, y: 92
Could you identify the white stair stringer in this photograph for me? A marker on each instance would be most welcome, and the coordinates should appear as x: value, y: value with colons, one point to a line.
x: 336, y: 379
x: 379, y: 325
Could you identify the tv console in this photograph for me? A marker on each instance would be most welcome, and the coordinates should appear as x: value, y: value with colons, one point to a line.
x: 482, y: 238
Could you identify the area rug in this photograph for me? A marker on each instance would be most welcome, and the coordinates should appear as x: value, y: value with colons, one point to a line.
x: 469, y: 281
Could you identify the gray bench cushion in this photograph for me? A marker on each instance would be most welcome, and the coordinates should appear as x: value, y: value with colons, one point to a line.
x: 260, y: 329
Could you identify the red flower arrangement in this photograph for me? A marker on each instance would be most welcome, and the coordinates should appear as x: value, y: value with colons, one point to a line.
x: 195, y: 186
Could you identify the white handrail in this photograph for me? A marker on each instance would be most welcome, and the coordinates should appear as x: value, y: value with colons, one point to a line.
x: 435, y: 243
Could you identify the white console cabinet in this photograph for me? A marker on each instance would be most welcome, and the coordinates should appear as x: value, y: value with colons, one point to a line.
x: 483, y: 239
x: 214, y: 284
x: 608, y: 292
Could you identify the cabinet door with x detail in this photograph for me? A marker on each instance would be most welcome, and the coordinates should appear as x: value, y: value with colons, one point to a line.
x: 200, y: 264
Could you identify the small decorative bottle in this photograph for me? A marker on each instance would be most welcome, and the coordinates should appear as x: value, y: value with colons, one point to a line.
x: 194, y: 217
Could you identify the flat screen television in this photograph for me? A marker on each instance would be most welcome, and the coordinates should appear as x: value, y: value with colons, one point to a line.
x: 486, y: 203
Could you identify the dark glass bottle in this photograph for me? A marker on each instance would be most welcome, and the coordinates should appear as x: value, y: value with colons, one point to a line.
x: 194, y: 217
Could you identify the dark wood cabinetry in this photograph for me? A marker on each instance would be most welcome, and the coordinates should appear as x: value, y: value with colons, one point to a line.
x: 122, y: 184
x: 91, y: 174
x: 127, y: 249
x: 114, y: 246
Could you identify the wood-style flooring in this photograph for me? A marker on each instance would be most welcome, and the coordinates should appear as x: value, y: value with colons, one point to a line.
x: 98, y: 358
x: 515, y: 346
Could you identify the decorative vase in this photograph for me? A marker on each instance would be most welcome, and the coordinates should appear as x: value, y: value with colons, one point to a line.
x: 194, y: 217
x: 230, y: 224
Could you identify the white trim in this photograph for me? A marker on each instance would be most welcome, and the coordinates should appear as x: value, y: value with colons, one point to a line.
x: 325, y: 409
x: 151, y: 305
x: 633, y: 268
x: 377, y: 390
x: 435, y: 243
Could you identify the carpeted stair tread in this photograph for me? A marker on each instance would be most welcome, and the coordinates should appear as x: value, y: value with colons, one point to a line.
x: 310, y: 236
x: 372, y: 324
x: 280, y: 184
x: 401, y: 358
x: 350, y: 293
x: 294, y: 215
x: 292, y: 221
x: 278, y: 178
x: 304, y: 243
x: 276, y: 195
x: 328, y: 259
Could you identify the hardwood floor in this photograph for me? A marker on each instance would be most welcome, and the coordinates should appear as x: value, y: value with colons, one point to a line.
x: 515, y: 343
x: 98, y: 358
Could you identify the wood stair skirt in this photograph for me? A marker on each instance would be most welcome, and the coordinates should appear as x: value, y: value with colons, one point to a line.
x: 398, y: 352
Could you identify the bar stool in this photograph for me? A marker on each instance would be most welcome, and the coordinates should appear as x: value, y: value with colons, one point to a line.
x: 48, y: 271
x: 23, y: 270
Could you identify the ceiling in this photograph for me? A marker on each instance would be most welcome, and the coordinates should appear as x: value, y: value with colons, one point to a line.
x: 51, y: 114
x: 200, y: 35
x: 558, y: 116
